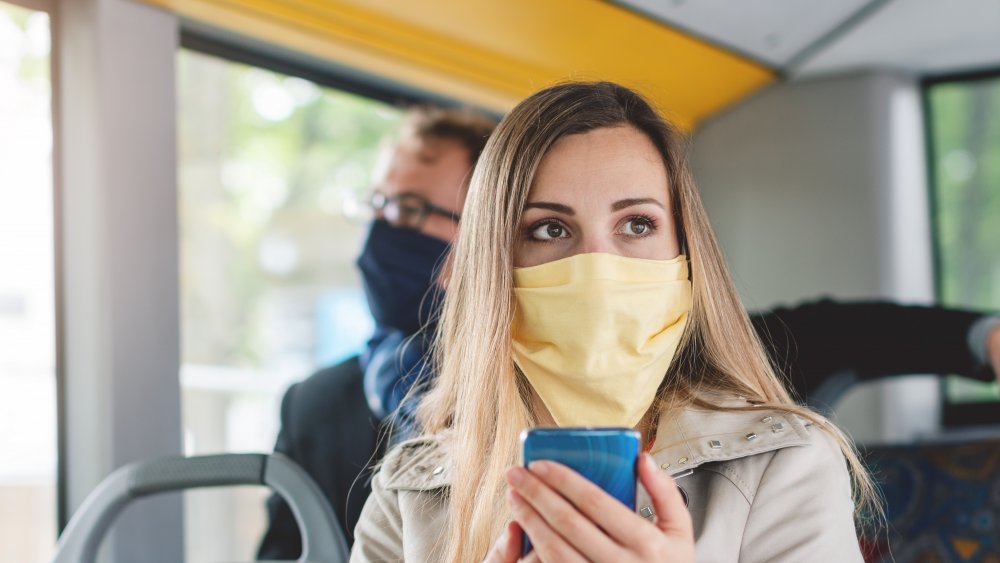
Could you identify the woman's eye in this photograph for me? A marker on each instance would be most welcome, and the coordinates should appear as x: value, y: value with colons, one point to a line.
x: 638, y: 226
x: 548, y: 231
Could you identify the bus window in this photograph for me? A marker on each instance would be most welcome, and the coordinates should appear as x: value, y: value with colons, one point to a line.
x: 27, y: 298
x: 270, y: 168
x: 965, y: 154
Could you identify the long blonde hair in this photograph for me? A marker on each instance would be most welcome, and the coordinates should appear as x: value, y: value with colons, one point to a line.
x: 479, y: 396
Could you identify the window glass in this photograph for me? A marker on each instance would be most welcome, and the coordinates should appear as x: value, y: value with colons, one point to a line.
x: 270, y: 168
x: 965, y: 122
x: 27, y: 303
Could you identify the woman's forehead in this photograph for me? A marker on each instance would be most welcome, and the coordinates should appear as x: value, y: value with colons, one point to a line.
x: 607, y: 160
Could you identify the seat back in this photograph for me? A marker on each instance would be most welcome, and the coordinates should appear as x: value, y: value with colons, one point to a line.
x: 942, y: 502
x: 322, y: 539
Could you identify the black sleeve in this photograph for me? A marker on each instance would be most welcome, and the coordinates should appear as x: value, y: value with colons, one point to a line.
x: 328, y: 429
x: 282, y: 539
x: 812, y: 341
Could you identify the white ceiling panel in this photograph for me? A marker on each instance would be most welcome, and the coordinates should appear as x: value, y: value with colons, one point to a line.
x: 919, y: 36
x: 772, y: 31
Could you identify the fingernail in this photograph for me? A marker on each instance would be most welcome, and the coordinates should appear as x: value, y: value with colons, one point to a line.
x: 538, y: 467
x: 515, y: 475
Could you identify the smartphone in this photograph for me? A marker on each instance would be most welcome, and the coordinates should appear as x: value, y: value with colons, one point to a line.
x: 606, y: 456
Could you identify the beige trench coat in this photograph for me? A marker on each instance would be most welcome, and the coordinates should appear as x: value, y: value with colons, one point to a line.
x: 761, y: 486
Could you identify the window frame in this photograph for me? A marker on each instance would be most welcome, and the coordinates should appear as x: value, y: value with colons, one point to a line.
x: 244, y: 50
x: 953, y: 415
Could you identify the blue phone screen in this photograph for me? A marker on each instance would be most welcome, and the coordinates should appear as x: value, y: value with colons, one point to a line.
x: 605, y: 456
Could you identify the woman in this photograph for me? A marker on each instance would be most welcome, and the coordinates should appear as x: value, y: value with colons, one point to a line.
x: 587, y: 289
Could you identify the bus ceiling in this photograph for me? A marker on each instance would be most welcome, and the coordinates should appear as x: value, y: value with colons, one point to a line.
x: 692, y: 58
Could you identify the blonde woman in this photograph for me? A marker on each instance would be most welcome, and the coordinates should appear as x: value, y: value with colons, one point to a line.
x: 587, y: 289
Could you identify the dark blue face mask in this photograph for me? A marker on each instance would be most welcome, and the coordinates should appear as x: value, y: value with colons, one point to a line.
x: 399, y: 269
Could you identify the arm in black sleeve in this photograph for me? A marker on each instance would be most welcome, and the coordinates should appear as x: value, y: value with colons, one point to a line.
x: 281, y: 539
x: 812, y: 341
x: 328, y: 429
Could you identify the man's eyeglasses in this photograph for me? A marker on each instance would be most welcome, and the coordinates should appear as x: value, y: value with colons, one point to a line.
x: 407, y: 210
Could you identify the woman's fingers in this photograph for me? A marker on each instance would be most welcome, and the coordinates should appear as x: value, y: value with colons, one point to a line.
x: 618, y: 522
x: 672, y: 516
x: 563, y: 517
x: 508, y: 547
x: 568, y: 518
x: 547, y: 543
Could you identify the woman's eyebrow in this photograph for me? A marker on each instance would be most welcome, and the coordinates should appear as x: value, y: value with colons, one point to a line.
x: 557, y: 207
x: 623, y: 203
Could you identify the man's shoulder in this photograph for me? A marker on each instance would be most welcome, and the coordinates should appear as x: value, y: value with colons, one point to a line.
x: 343, y: 376
x: 334, y: 392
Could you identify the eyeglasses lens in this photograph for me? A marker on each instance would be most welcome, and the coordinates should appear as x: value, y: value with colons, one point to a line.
x: 408, y: 211
x: 411, y: 211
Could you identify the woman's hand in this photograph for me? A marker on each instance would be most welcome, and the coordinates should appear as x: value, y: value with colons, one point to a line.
x: 568, y: 518
x: 993, y: 350
x: 508, y: 547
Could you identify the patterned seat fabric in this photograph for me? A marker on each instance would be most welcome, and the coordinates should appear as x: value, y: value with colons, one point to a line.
x: 942, y: 502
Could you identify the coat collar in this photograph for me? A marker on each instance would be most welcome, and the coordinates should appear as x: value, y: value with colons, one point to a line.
x: 684, y: 441
x: 694, y: 436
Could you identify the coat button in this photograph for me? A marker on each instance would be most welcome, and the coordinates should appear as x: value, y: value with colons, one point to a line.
x: 751, y: 437
x: 647, y: 512
x: 664, y: 466
x: 715, y: 444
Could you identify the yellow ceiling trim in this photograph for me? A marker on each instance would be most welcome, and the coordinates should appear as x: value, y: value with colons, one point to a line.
x: 337, y: 42
x: 493, y: 53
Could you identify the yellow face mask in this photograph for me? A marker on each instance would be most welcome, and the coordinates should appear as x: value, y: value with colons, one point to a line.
x: 595, y: 333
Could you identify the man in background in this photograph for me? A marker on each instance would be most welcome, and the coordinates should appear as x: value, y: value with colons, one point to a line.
x: 331, y: 422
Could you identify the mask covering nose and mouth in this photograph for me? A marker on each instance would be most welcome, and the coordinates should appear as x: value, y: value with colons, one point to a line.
x: 595, y: 333
x: 398, y: 268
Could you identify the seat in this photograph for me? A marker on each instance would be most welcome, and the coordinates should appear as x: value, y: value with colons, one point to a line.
x: 322, y: 539
x: 942, y: 502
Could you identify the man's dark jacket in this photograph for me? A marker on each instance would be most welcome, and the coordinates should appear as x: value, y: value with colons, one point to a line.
x: 327, y: 428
